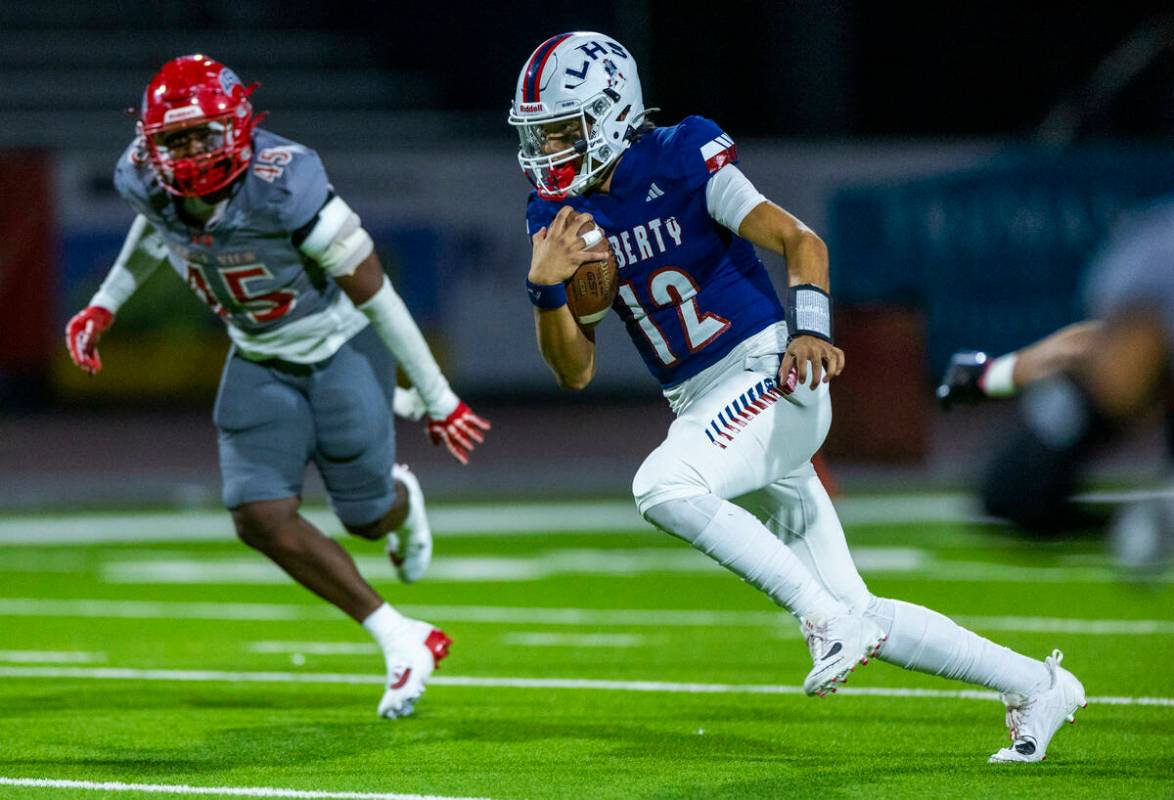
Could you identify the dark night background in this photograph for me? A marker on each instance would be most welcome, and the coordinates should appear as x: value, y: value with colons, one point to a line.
x: 963, y: 160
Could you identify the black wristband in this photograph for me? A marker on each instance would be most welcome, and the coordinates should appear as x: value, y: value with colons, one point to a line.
x: 546, y: 296
x: 809, y: 312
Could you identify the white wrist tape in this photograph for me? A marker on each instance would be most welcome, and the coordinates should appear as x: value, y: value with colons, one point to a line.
x: 998, y: 380
x: 730, y: 196
x: 592, y: 237
x: 393, y: 322
x: 338, y: 243
x: 142, y: 252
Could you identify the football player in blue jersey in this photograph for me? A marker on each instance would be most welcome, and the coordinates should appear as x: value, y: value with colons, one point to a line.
x: 746, y: 379
x: 250, y: 222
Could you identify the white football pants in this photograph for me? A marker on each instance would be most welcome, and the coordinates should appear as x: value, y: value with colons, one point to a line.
x: 742, y: 438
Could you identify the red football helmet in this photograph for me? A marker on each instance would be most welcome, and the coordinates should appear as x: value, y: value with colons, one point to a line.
x: 197, y: 125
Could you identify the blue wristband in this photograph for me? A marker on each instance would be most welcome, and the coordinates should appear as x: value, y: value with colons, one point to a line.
x: 546, y: 297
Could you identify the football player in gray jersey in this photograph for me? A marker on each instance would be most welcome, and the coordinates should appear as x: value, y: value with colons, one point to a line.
x: 250, y: 222
x: 1123, y: 372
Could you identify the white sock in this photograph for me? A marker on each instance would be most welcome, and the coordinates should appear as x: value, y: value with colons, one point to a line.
x: 998, y: 380
x: 926, y: 641
x: 385, y: 624
x: 737, y: 540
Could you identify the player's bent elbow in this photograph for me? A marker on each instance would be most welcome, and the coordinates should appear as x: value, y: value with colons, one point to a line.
x: 573, y: 376
x: 577, y: 381
x: 809, y: 243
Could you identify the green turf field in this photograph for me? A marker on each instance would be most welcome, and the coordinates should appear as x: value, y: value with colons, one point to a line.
x: 612, y: 663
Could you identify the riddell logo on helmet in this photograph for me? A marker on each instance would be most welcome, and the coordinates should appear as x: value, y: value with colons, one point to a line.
x: 529, y: 108
x: 182, y: 113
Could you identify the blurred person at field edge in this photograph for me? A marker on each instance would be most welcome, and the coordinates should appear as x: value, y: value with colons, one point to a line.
x: 250, y: 222
x: 1121, y: 370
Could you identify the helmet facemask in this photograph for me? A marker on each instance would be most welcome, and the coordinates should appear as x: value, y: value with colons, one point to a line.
x: 576, y: 168
x: 225, y: 152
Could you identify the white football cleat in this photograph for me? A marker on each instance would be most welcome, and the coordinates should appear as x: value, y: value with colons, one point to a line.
x: 837, y: 645
x: 1033, y: 721
x: 409, y: 665
x: 410, y: 546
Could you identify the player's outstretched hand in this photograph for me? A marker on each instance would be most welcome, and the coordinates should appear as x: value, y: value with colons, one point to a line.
x: 826, y: 360
x: 82, y: 334
x: 559, y: 250
x: 460, y: 431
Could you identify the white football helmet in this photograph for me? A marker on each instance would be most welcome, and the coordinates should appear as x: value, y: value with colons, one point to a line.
x: 577, y: 108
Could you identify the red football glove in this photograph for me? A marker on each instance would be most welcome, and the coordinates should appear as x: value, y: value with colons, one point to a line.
x: 82, y: 335
x: 460, y: 431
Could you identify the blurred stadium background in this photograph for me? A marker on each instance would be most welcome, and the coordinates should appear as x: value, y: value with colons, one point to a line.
x: 963, y: 163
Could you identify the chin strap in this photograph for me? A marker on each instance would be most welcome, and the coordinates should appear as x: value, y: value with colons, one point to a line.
x: 634, y: 124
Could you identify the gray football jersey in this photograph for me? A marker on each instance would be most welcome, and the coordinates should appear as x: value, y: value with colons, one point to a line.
x: 243, y: 262
x: 1135, y: 271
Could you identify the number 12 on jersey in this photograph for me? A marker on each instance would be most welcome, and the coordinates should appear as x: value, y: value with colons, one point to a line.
x: 670, y: 286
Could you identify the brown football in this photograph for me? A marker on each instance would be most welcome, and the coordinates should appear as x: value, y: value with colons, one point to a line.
x: 592, y: 289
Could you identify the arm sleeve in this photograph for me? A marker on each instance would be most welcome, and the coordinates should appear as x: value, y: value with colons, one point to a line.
x: 393, y: 322
x: 730, y: 196
x: 142, y: 252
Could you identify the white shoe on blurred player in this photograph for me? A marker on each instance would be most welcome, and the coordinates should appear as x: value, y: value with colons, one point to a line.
x: 410, y: 662
x: 1033, y: 721
x: 837, y: 645
x: 410, y: 546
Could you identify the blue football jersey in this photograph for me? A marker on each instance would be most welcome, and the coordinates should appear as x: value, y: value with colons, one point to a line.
x: 690, y: 289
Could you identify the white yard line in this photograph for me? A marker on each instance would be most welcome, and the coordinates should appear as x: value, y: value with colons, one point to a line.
x: 315, y: 648
x: 196, y: 526
x: 572, y: 617
x: 248, y: 569
x: 1094, y: 627
x: 146, y: 609
x: 49, y: 657
x: 478, y: 520
x: 909, y: 563
x: 517, y: 639
x: 215, y: 791
x: 541, y: 639
x: 583, y: 684
x: 447, y: 520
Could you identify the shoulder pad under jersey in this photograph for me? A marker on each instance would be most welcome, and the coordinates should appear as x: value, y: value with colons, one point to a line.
x: 694, y: 149
x: 286, y: 181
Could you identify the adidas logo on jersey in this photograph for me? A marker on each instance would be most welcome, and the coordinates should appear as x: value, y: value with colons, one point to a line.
x: 654, y: 192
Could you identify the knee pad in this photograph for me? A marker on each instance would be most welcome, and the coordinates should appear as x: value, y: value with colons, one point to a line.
x: 364, y: 506
x: 684, y: 517
x: 663, y: 477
